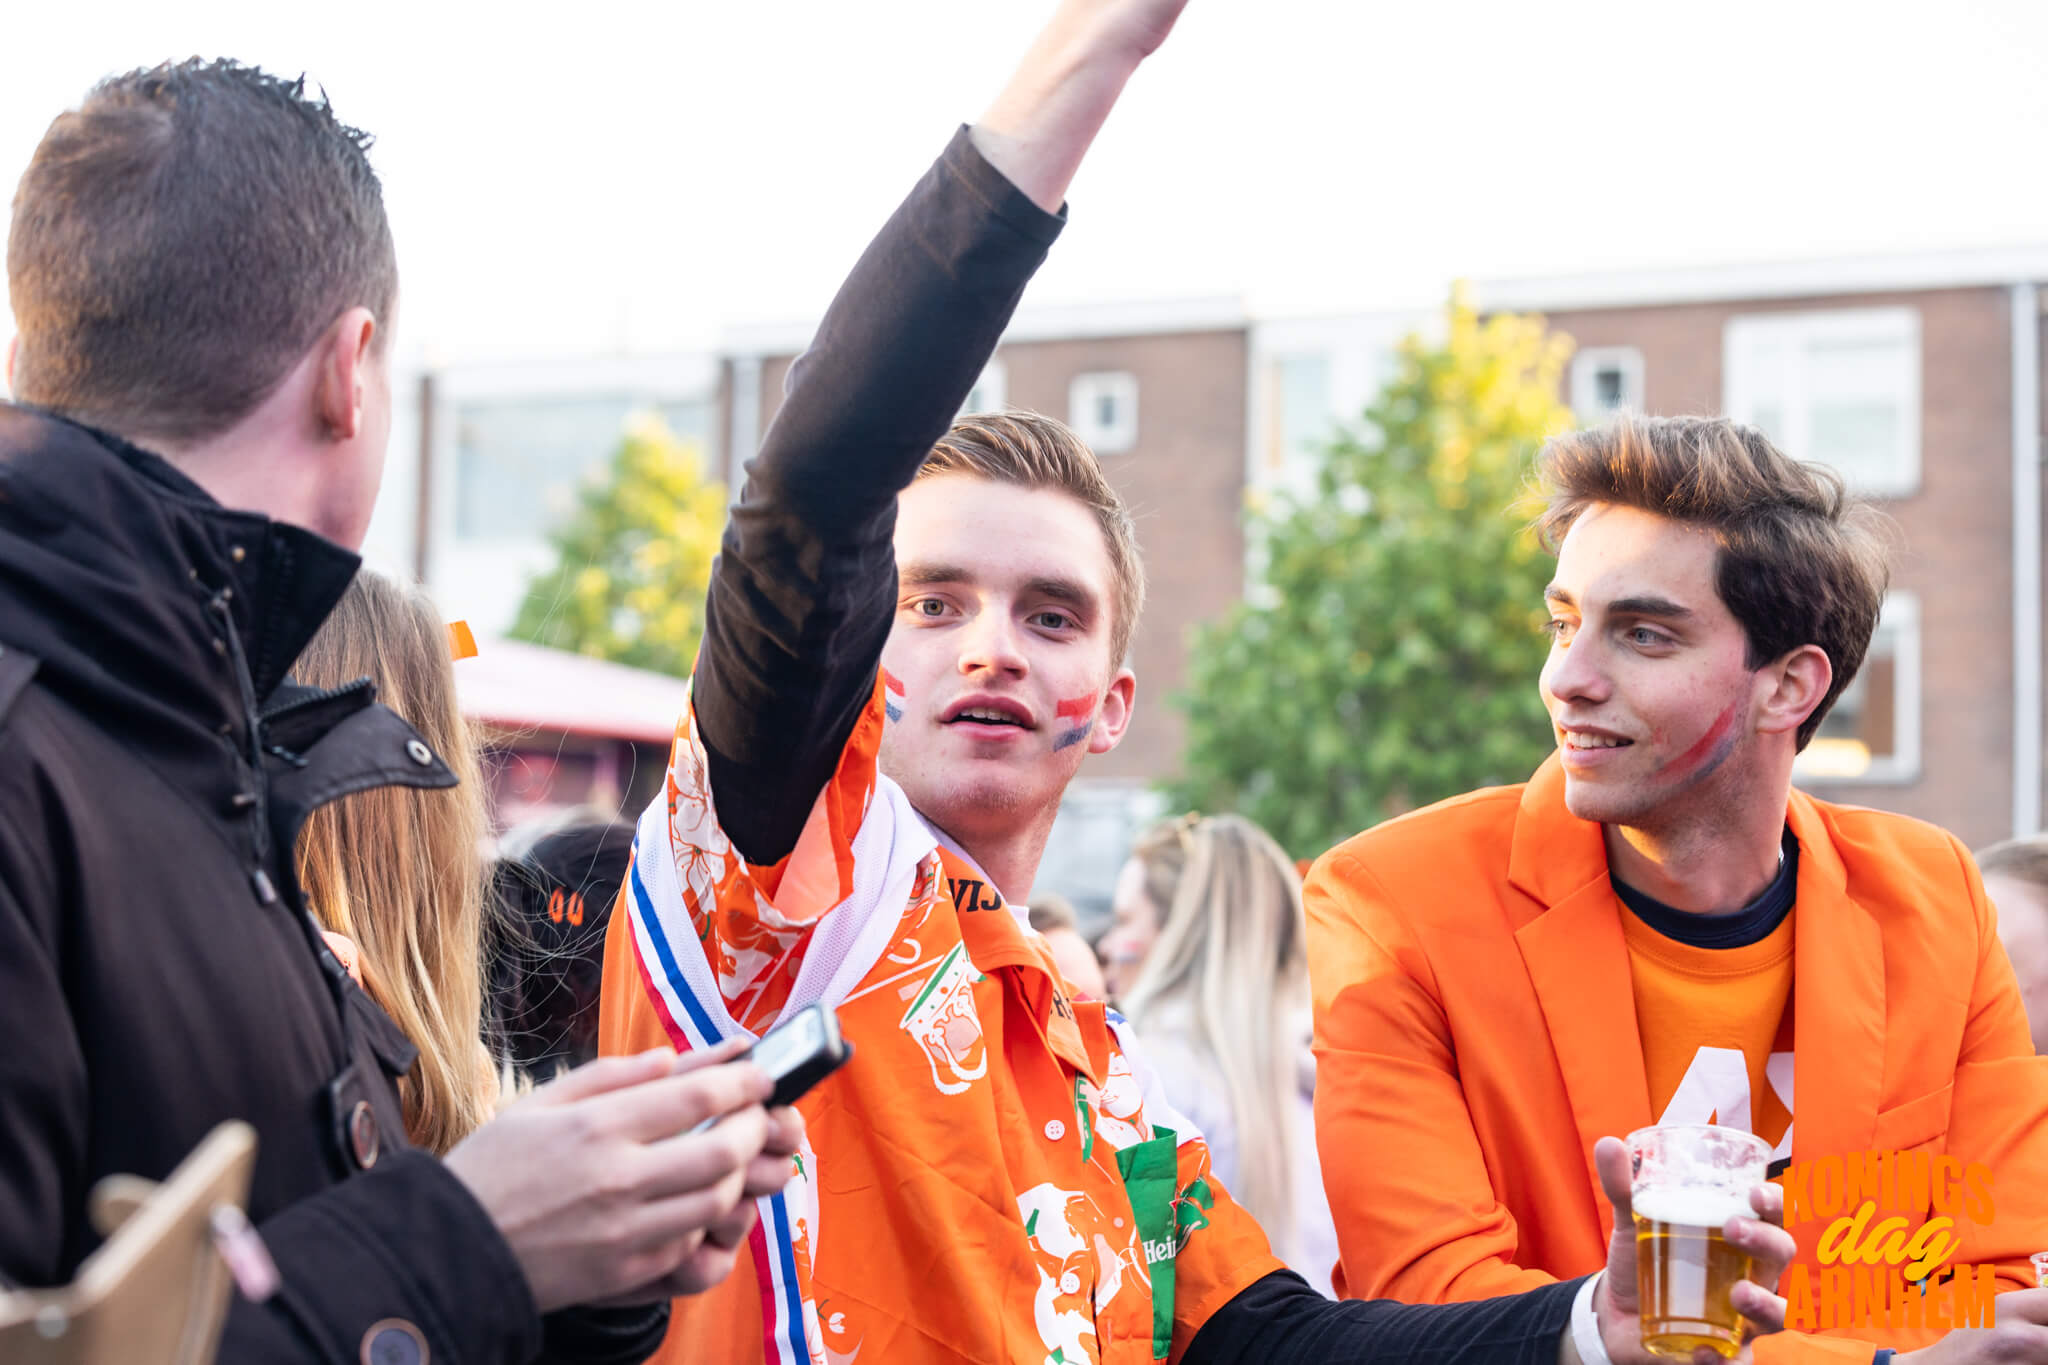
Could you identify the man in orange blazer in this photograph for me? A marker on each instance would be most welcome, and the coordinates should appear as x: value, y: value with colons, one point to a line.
x: 1657, y: 929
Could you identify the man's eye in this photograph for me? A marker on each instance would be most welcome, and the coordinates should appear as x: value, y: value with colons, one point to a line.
x: 1643, y: 635
x: 1557, y: 629
x: 1052, y: 620
x: 928, y: 606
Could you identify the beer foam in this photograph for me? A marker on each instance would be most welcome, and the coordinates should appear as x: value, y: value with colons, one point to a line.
x: 1693, y: 1207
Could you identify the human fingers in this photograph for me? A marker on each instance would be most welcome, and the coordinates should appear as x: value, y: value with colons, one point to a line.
x: 731, y: 1230
x: 682, y: 1220
x: 702, y: 1269
x: 767, y: 1174
x: 707, y: 1056
x: 2021, y: 1305
x: 1762, y: 1311
x: 1769, y: 1203
x: 668, y: 1105
x: 602, y: 1076
x: 694, y: 1161
x: 785, y: 1132
x: 1618, y: 1285
x: 1770, y: 1248
x: 1610, y: 1159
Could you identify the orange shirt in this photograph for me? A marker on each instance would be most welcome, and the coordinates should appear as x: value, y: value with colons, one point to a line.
x: 1717, y: 1036
x: 992, y: 1177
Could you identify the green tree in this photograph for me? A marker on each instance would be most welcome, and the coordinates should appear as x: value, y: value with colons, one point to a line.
x: 631, y: 565
x: 1391, y: 658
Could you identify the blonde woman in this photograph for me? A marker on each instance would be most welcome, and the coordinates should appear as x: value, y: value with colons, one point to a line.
x: 396, y: 872
x: 1206, y: 956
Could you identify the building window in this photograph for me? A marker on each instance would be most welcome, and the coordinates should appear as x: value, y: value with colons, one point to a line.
x: 520, y: 462
x: 1102, y: 408
x: 1299, y: 421
x: 990, y: 391
x: 1606, y: 380
x: 1873, y: 732
x: 1839, y: 388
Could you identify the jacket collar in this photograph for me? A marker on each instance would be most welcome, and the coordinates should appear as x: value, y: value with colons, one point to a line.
x: 1571, y: 941
x: 131, y: 510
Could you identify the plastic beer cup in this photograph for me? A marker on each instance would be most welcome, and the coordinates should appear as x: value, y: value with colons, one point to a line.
x: 1689, y: 1181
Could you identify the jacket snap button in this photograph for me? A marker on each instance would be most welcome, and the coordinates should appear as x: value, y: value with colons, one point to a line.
x: 362, y: 1134
x: 394, y: 1341
x: 421, y: 754
x: 1055, y: 1130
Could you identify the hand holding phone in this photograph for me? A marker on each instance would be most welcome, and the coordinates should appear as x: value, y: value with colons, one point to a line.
x: 796, y: 1054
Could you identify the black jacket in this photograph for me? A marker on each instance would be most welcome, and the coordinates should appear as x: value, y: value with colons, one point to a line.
x: 158, y: 972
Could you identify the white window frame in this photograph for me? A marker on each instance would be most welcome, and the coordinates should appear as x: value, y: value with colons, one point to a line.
x: 1083, y: 393
x: 1588, y: 363
x: 992, y: 388
x: 1901, y: 613
x: 1741, y: 388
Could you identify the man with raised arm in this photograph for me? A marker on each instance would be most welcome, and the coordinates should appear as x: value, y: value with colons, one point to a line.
x: 909, y: 649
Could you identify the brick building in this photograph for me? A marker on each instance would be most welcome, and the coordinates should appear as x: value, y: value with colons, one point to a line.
x: 1919, y: 377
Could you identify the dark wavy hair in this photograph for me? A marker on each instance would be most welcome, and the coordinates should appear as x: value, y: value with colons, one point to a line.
x: 1801, y: 561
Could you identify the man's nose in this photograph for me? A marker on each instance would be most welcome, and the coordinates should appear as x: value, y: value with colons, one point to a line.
x: 1577, y: 673
x: 993, y: 642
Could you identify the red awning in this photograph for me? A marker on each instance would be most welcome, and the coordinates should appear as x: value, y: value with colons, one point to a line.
x: 518, y: 686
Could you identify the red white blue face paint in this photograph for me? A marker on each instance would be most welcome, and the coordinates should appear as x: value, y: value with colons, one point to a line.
x: 892, y: 695
x: 1711, y: 752
x: 1076, y: 716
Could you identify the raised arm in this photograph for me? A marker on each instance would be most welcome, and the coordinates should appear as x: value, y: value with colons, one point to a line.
x: 804, y: 592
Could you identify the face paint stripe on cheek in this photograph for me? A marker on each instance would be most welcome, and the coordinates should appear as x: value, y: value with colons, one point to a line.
x: 1713, y: 746
x: 1073, y: 737
x: 1082, y: 709
x: 891, y: 684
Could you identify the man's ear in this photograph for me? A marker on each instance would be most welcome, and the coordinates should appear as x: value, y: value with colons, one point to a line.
x: 342, y: 359
x: 1796, y: 684
x: 13, y: 350
x: 1115, y: 716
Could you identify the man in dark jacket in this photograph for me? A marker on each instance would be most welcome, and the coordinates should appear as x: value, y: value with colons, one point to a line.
x: 199, y: 262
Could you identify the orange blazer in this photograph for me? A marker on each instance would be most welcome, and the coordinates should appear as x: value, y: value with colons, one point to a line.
x: 1476, y: 1034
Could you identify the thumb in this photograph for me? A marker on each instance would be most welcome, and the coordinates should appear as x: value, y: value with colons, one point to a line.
x: 606, y: 1073
x: 1610, y: 1158
x: 1616, y: 1171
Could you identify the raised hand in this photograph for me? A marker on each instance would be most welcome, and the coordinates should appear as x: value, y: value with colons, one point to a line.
x: 1042, y: 123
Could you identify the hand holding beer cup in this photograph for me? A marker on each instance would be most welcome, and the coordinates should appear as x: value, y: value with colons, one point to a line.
x: 1698, y: 1246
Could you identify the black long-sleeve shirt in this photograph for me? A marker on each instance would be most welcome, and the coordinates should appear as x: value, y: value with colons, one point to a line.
x: 803, y: 597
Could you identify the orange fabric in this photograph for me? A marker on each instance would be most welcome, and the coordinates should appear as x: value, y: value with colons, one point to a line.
x: 964, y: 1212
x: 1704, y: 1011
x: 1476, y: 1031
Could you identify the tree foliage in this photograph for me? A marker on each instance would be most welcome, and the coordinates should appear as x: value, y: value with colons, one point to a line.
x: 1391, y: 658
x: 632, y: 564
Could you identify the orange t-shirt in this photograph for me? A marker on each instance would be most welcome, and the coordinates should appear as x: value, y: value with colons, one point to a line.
x: 1716, y: 1026
x: 991, y: 1178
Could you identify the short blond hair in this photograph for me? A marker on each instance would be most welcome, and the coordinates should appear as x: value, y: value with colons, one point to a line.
x: 1030, y: 450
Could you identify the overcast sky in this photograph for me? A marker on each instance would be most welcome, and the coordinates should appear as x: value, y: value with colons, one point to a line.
x: 639, y: 177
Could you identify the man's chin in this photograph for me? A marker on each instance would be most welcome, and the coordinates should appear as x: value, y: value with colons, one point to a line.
x: 1603, y: 803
